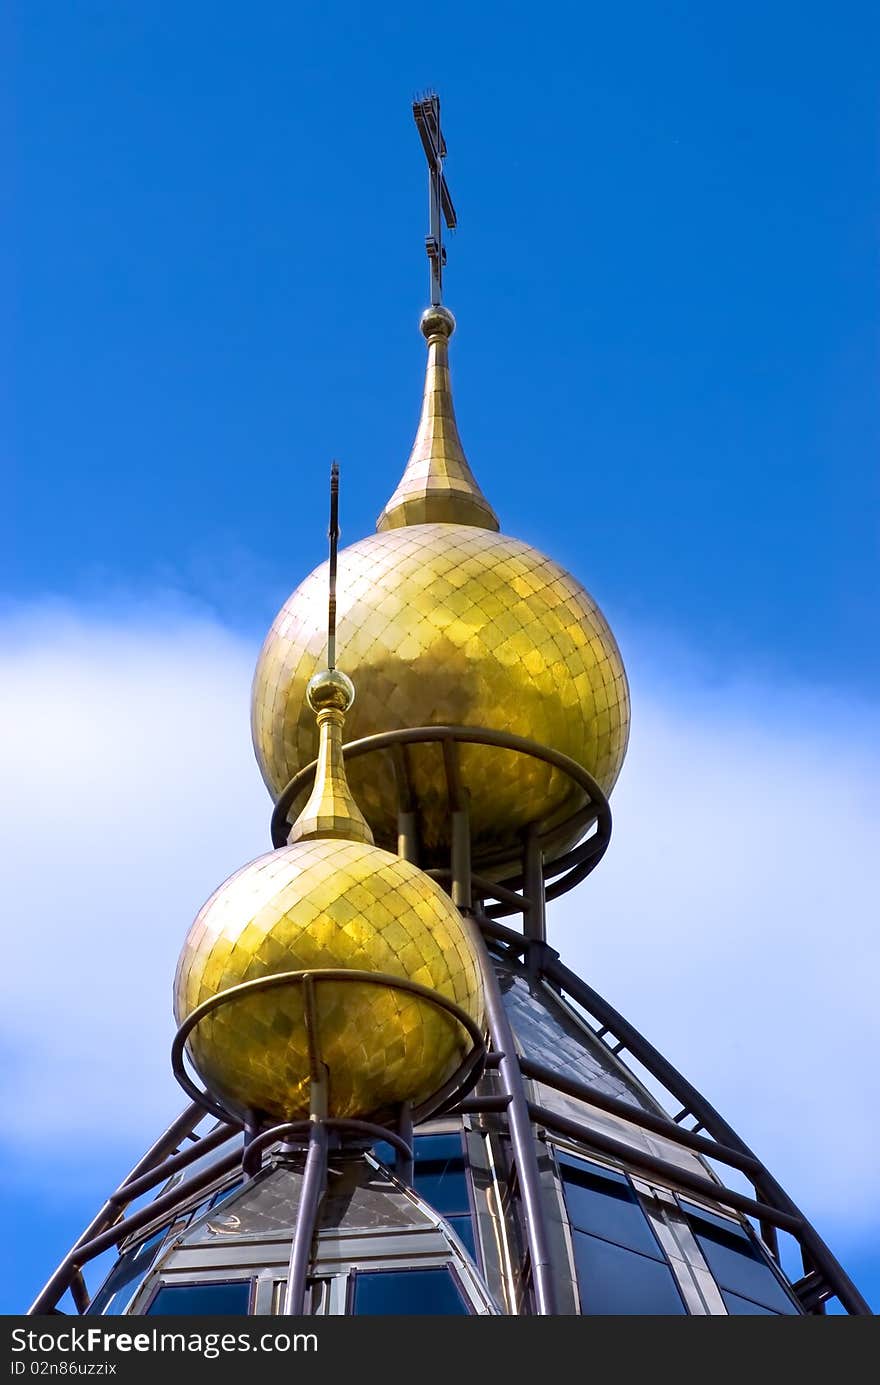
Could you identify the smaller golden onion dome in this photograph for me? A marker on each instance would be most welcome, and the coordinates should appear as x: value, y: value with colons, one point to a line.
x: 328, y: 900
x: 437, y: 486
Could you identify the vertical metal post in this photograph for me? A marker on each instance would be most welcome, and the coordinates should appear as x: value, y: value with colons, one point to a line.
x: 314, y: 1180
x: 403, y: 1167
x: 251, y: 1127
x: 461, y: 858
x: 535, y: 918
x: 407, y: 837
x: 522, y: 1135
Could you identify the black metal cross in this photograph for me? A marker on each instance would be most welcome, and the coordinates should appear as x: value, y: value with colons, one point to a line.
x: 427, y: 117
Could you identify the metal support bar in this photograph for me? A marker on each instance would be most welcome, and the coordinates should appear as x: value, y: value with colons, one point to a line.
x: 134, y: 1187
x: 461, y: 859
x: 313, y: 1185
x: 522, y: 1140
x: 669, y: 1172
x: 408, y: 837
x: 486, y: 889
x: 79, y: 1292
x: 482, y: 1105
x: 534, y: 913
x: 515, y: 941
x: 404, y: 1163
x: 646, y: 1120
x: 53, y: 1289
x: 709, y: 1118
x: 166, y: 1202
x: 770, y: 1239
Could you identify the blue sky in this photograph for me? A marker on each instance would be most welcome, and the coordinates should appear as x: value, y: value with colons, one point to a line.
x: 665, y: 373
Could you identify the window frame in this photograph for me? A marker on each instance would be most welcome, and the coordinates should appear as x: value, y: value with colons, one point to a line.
x: 763, y: 1254
x: 449, y: 1266
x: 441, y: 1219
x: 206, y: 1278
x: 558, y: 1147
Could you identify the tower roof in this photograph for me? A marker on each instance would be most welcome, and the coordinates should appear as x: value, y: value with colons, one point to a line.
x: 437, y: 485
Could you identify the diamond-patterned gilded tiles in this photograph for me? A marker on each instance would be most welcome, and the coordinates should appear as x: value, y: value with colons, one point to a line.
x: 450, y: 624
x: 320, y: 904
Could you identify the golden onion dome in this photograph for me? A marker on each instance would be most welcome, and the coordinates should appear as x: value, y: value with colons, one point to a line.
x: 449, y: 622
x: 330, y: 899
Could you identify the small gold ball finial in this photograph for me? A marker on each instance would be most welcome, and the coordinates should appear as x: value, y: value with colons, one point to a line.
x: 330, y: 688
x: 437, y: 321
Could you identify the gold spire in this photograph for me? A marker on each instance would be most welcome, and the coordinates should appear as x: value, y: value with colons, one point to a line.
x: 438, y: 486
x: 331, y: 810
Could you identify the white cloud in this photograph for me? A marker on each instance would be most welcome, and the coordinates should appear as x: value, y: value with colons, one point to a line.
x: 130, y: 793
x: 731, y: 919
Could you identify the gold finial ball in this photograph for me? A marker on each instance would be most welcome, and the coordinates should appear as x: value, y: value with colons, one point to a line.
x: 437, y: 321
x: 326, y: 904
x: 451, y: 624
x: 330, y: 688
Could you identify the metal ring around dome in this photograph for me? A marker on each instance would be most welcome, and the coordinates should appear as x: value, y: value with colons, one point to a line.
x: 252, y: 1158
x: 465, y: 1077
x: 579, y: 861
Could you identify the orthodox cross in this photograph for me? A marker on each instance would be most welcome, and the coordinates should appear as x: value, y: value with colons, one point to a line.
x: 427, y: 117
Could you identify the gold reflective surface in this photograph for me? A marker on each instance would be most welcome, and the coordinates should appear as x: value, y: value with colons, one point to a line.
x: 438, y: 485
x: 450, y: 623
x: 327, y: 904
x: 331, y: 810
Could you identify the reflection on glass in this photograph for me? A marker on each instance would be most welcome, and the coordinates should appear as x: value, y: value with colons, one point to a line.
x: 225, y: 1193
x: 736, y: 1260
x: 464, y: 1230
x: 439, y: 1177
x: 603, y: 1202
x: 390, y: 1292
x: 126, y: 1276
x: 612, y: 1279
x: 620, y: 1266
x: 231, y: 1298
x: 744, y: 1306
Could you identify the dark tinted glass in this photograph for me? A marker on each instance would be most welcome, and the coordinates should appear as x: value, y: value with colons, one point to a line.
x: 464, y: 1230
x: 224, y: 1194
x: 603, y: 1203
x: 119, y: 1287
x: 213, y: 1299
x: 614, y: 1280
x: 744, y: 1306
x: 736, y: 1261
x: 439, y: 1170
x: 408, y: 1292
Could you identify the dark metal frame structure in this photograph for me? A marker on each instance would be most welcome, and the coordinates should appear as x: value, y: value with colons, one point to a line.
x: 525, y: 893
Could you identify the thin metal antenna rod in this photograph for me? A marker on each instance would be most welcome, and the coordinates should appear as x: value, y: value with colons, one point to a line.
x: 333, y: 535
x: 426, y: 114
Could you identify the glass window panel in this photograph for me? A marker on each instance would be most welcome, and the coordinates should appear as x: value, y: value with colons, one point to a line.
x: 464, y: 1230
x: 439, y: 1170
x: 736, y: 1261
x: 126, y: 1276
x: 391, y: 1292
x: 603, y: 1203
x: 740, y: 1306
x: 617, y: 1281
x: 215, y: 1299
x: 225, y: 1193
